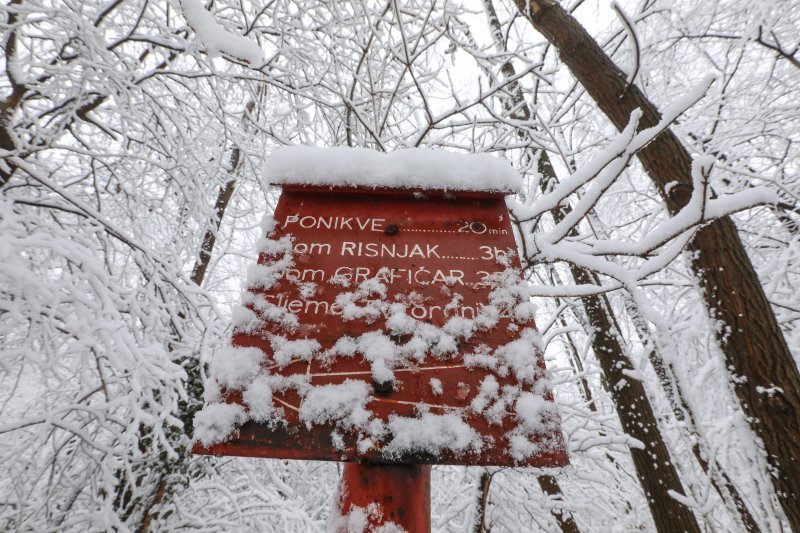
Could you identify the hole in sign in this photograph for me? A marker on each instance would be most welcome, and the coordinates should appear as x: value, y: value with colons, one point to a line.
x: 383, y: 388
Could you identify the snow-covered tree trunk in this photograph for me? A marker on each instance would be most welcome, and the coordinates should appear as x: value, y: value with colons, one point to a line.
x: 763, y: 372
x: 654, y: 467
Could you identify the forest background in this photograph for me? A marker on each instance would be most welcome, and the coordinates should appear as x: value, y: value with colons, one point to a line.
x: 133, y: 135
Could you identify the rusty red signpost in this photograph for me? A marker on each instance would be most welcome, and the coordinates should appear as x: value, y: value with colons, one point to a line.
x: 433, y: 251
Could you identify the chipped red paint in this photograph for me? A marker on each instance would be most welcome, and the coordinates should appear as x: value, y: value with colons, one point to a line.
x: 441, y: 234
x: 402, y: 494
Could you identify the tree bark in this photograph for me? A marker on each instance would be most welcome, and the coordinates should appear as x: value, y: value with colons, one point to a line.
x: 764, y: 374
x: 652, y: 462
x: 550, y: 486
x: 654, y: 467
x: 9, y: 105
x: 484, y: 483
x: 194, y: 383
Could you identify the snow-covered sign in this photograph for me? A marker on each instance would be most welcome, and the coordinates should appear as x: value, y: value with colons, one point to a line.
x: 384, y: 324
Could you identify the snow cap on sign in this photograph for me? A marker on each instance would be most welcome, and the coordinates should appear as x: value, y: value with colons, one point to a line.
x: 405, y: 169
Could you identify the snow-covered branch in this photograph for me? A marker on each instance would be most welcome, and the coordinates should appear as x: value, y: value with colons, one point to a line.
x: 658, y: 245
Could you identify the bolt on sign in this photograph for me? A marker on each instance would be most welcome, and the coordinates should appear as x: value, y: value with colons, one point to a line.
x: 384, y: 325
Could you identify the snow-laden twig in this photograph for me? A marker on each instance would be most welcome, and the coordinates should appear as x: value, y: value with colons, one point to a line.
x: 630, y: 29
x: 216, y: 38
x: 659, y: 245
x: 624, y: 145
x: 165, y: 269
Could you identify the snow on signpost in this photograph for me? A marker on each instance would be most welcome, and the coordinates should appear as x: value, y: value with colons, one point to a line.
x: 386, y: 320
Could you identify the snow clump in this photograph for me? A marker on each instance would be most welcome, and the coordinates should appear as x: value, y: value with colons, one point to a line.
x: 215, y: 38
x: 233, y: 367
x: 344, y: 403
x: 360, y: 519
x: 430, y: 433
x: 215, y: 422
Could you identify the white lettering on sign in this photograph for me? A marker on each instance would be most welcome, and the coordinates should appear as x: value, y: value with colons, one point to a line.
x: 401, y: 251
x: 412, y: 270
x: 307, y: 274
x: 335, y: 222
x: 493, y: 253
x: 420, y: 312
x: 319, y: 248
x: 479, y: 228
x: 418, y: 276
x: 315, y: 307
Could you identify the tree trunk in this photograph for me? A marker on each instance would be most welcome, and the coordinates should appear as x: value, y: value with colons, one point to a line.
x: 654, y: 468
x: 9, y: 105
x: 549, y: 486
x: 483, y: 500
x: 653, y: 465
x: 194, y: 385
x: 765, y: 375
x: 720, y: 480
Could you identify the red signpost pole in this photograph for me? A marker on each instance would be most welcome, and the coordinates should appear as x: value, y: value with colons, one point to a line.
x: 397, y: 493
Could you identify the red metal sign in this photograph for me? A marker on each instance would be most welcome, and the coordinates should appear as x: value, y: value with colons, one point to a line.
x: 396, y: 329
